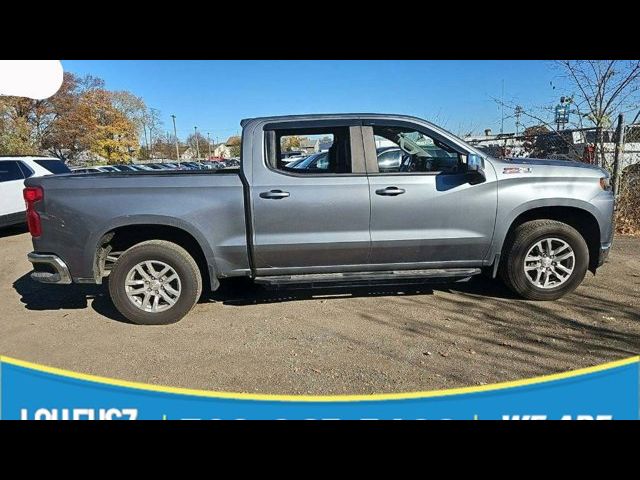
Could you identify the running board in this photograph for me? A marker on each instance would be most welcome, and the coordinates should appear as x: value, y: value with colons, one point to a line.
x: 371, y: 278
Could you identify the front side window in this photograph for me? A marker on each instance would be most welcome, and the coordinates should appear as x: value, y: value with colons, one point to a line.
x: 10, y: 170
x: 403, y: 150
x: 310, y: 150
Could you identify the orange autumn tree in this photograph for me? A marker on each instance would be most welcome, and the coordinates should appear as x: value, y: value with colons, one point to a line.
x: 114, y: 134
x: 81, y: 117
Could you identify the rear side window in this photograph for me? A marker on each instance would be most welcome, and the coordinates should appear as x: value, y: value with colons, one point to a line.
x: 26, y: 169
x: 10, y: 170
x: 310, y: 150
x: 54, y: 166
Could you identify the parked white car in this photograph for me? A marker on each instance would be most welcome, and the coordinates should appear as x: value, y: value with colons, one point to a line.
x: 13, y: 171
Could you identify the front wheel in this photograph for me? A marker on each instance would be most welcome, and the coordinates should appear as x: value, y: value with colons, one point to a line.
x: 544, y: 260
x: 155, y: 283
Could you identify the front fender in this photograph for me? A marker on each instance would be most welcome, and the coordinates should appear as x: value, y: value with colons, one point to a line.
x: 505, y: 221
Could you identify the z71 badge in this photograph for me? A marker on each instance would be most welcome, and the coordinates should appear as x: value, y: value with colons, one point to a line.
x: 516, y: 170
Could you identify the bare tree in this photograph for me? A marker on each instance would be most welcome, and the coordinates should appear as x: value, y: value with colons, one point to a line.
x: 538, y: 117
x: 604, y: 88
x: 151, y: 124
x: 599, y: 91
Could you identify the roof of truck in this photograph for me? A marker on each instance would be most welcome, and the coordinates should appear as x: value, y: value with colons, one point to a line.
x: 333, y: 115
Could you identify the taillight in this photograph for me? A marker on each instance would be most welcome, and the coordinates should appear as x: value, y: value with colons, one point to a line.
x: 31, y: 196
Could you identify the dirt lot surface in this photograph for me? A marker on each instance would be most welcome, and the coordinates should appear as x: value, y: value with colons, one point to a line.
x: 247, y: 339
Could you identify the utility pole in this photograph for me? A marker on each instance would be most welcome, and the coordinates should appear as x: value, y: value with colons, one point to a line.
x: 618, y: 153
x: 175, y: 136
x: 144, y: 129
x: 502, y: 106
x: 209, y: 144
x: 195, y: 129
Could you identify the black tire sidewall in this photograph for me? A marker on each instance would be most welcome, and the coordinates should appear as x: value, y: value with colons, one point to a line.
x: 188, y: 279
x: 527, y: 238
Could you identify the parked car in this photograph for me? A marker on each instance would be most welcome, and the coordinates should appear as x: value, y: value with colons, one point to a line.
x: 317, y: 161
x: 193, y: 165
x: 448, y: 213
x: 108, y: 168
x: 290, y: 156
x: 141, y: 167
x: 86, y: 170
x: 13, y: 172
x: 101, y: 169
x: 125, y: 168
x: 293, y: 159
x: 156, y: 166
x: 216, y: 164
x: 389, y: 160
x: 173, y: 165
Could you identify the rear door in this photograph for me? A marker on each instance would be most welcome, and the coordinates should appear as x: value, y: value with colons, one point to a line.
x: 313, y: 218
x: 427, y: 210
x: 11, y: 185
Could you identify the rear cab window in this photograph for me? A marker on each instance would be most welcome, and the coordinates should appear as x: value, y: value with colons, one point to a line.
x: 310, y: 150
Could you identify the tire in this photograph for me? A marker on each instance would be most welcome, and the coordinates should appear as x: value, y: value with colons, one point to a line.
x: 523, y: 241
x: 160, y: 254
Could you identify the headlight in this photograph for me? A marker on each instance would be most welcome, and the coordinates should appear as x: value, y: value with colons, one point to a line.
x: 605, y: 183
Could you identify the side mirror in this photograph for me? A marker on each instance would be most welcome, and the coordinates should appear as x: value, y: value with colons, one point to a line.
x: 475, y: 169
x: 475, y: 163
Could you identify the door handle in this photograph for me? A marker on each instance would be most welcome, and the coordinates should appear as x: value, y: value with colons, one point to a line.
x: 274, y: 194
x: 390, y: 191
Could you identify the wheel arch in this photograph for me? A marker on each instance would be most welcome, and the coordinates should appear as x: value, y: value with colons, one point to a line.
x: 576, y: 216
x: 124, y: 232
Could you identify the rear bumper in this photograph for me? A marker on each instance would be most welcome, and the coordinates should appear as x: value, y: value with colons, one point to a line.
x: 49, y: 269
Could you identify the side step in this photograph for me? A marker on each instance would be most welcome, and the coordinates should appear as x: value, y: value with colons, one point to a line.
x: 371, y: 278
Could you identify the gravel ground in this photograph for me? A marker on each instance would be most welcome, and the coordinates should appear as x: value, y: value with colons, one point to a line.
x: 244, y: 338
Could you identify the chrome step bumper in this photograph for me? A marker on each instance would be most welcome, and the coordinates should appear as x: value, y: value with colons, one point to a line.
x: 59, y: 272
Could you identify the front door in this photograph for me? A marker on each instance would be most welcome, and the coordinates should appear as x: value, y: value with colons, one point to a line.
x: 427, y: 210
x: 310, y: 214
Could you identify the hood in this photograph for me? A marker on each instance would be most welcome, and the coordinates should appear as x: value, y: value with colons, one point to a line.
x: 552, y: 163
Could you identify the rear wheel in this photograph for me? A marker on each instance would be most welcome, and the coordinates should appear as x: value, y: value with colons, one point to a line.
x: 544, y: 260
x: 155, y: 283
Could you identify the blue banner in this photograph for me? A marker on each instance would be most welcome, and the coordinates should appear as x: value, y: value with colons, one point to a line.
x: 35, y: 392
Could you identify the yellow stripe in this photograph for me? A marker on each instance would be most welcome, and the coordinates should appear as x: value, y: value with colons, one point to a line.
x: 319, y: 398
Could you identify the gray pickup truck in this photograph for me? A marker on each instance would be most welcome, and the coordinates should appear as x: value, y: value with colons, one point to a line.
x: 440, y: 210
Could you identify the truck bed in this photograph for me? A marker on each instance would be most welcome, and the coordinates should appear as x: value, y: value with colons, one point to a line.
x: 208, y: 205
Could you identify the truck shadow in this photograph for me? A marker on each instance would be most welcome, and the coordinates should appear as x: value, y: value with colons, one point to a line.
x: 234, y: 292
x: 241, y: 292
x: 40, y: 296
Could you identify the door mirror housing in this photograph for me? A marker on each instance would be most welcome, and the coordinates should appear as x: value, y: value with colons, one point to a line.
x: 475, y: 163
x: 475, y: 169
